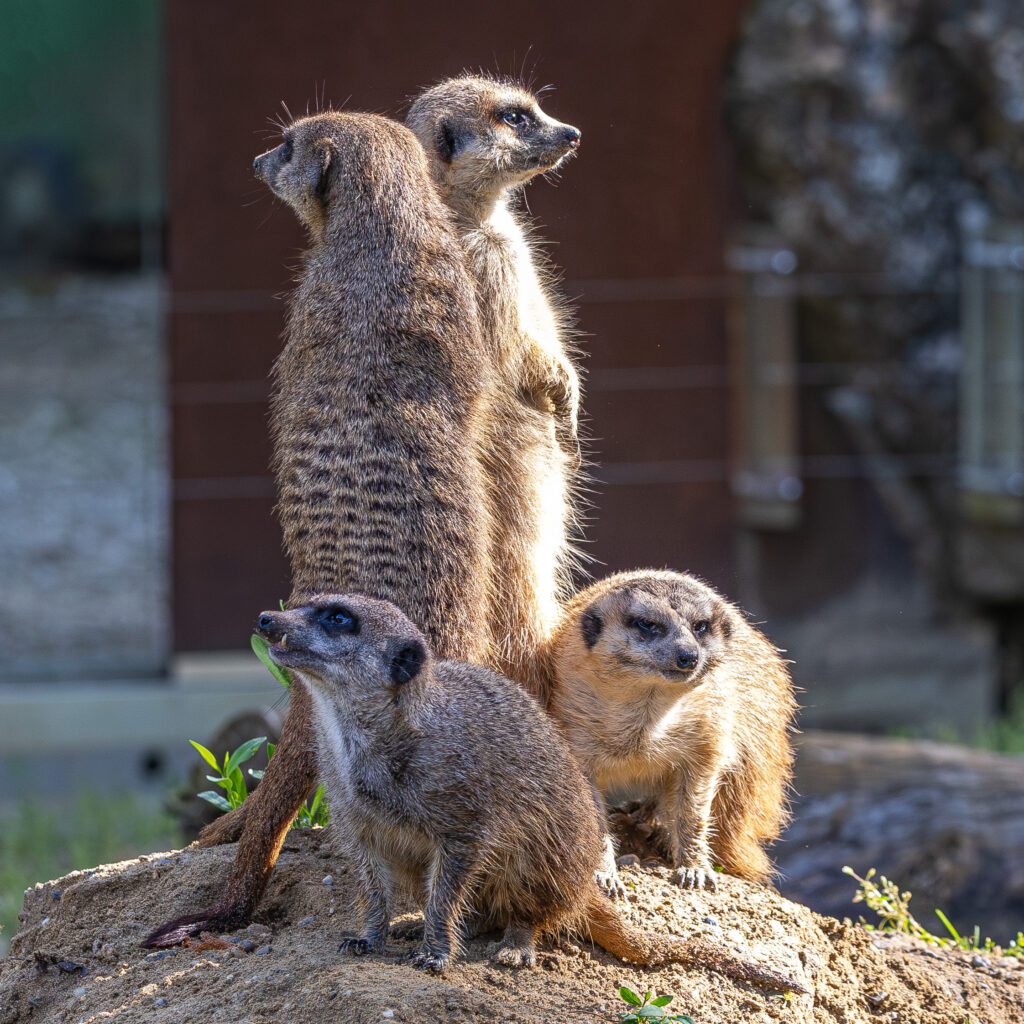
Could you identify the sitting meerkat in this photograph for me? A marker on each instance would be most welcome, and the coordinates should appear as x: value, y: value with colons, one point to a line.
x: 485, y: 139
x: 663, y: 688
x: 450, y: 781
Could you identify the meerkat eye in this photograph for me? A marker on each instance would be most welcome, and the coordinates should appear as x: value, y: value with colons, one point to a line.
x: 515, y: 118
x: 647, y: 629
x: 286, y: 154
x: 338, y: 620
x: 701, y: 627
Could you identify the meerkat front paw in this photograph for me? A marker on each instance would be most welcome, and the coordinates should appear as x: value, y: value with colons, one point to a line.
x: 515, y: 956
x: 609, y: 882
x: 435, y: 963
x: 357, y: 947
x: 697, y: 876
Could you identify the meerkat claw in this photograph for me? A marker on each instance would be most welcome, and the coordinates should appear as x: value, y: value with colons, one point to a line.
x: 610, y: 883
x: 427, y: 961
x: 697, y: 878
x: 357, y: 947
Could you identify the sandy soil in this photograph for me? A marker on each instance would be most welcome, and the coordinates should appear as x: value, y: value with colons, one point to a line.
x: 78, y: 959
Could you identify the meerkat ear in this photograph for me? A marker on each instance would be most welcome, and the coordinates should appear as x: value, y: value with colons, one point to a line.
x: 407, y: 661
x: 448, y: 140
x: 317, y: 174
x: 592, y: 625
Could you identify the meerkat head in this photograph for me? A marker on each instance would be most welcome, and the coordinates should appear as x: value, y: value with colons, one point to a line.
x: 654, y: 628
x: 483, y: 136
x: 325, y: 154
x: 347, y: 647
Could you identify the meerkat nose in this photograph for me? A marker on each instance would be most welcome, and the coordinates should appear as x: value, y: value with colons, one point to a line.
x: 686, y: 658
x: 572, y: 137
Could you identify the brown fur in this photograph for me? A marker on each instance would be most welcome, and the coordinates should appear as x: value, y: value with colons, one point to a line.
x: 479, y: 161
x: 447, y: 780
x: 380, y: 393
x: 710, y: 741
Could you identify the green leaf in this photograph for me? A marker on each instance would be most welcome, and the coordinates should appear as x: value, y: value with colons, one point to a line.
x: 280, y: 604
x: 206, y: 755
x: 271, y: 747
x: 661, y: 1001
x: 627, y: 995
x: 686, y: 1019
x: 216, y: 799
x: 244, y: 753
x: 261, y: 649
x: 949, y: 927
x: 256, y: 773
x: 220, y: 780
x: 651, y: 1012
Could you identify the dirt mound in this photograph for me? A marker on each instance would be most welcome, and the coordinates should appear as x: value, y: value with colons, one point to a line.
x: 78, y: 959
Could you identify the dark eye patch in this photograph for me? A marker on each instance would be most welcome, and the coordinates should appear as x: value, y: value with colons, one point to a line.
x: 701, y: 626
x: 338, y: 619
x: 516, y: 117
x: 647, y: 628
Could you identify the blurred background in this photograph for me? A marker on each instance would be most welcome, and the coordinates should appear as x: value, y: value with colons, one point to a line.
x: 795, y: 240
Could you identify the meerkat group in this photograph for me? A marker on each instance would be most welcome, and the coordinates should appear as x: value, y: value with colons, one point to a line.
x: 469, y: 715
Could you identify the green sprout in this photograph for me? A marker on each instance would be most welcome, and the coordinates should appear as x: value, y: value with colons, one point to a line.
x: 648, y: 1008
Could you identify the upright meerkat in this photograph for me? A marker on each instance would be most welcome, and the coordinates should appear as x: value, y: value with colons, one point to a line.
x: 485, y: 139
x: 380, y: 394
x: 662, y: 686
x: 448, y: 780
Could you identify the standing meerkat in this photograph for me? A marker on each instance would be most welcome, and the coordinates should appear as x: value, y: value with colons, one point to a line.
x: 449, y: 781
x: 485, y: 139
x: 380, y: 394
x: 662, y: 686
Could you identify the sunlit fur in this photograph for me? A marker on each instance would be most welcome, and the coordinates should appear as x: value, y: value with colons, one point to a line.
x: 455, y: 786
x: 710, y: 742
x: 479, y: 162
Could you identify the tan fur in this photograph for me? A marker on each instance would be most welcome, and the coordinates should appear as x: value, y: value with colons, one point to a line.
x: 709, y: 741
x: 479, y: 162
x: 447, y: 780
x: 380, y: 394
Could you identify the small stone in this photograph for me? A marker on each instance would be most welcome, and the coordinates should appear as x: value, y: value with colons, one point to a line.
x: 332, y: 995
x: 330, y: 911
x: 45, y: 922
x: 248, y: 945
x: 932, y: 954
x: 627, y: 860
x: 328, y: 880
x: 263, y: 951
x: 56, y: 894
x: 160, y: 1002
x: 980, y: 961
x: 711, y: 921
x: 306, y: 920
x: 387, y: 1013
x: 80, y: 991
x: 877, y: 998
x: 258, y: 931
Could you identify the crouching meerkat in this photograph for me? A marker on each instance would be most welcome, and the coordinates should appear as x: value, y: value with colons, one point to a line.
x: 380, y: 394
x: 449, y: 781
x: 485, y: 139
x: 663, y: 688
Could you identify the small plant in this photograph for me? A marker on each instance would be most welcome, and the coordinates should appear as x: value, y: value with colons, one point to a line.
x: 650, y: 1007
x: 230, y: 779
x: 261, y: 649
x: 893, y: 907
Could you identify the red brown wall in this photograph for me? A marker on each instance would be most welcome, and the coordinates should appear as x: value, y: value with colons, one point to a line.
x: 637, y: 220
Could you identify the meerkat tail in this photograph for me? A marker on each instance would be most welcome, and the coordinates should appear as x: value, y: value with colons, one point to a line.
x: 612, y: 933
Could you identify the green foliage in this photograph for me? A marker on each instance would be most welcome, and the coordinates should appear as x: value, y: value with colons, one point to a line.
x: 1006, y: 734
x: 648, y: 1008
x: 893, y: 907
x: 262, y: 651
x: 232, y: 781
x: 40, y: 840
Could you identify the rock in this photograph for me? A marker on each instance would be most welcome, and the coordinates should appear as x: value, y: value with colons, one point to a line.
x: 328, y: 880
x: 305, y: 921
x: 387, y: 1013
x: 297, y: 982
x: 980, y: 961
x: 628, y: 860
x: 263, y: 951
x: 160, y: 1002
